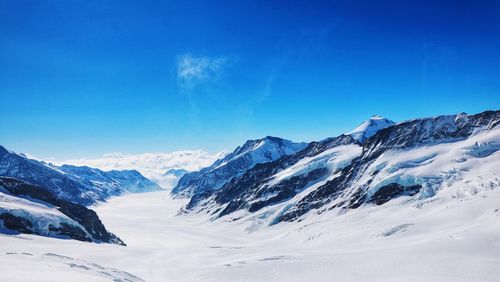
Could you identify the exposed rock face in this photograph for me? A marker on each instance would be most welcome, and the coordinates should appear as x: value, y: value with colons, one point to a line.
x: 35, y: 212
x: 386, y: 193
x: 16, y: 223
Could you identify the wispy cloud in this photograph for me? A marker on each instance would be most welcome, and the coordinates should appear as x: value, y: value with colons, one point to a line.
x: 193, y: 70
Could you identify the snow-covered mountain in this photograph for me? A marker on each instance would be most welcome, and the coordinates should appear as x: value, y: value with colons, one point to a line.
x: 154, y: 166
x: 368, y: 128
x: 253, y: 152
x: 448, y: 155
x: 413, y: 193
x: 170, y: 178
x: 177, y: 172
x: 82, y: 185
x: 278, y: 181
x: 30, y: 209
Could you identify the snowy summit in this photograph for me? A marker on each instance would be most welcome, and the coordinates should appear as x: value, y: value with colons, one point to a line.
x: 368, y: 128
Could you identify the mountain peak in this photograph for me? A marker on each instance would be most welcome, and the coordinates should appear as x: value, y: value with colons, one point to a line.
x: 272, y: 138
x: 368, y: 128
x: 377, y: 117
x: 178, y: 172
x: 234, y: 164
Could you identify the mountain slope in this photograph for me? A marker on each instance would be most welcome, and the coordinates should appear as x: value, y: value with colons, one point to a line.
x: 415, y: 159
x: 81, y: 185
x: 280, y: 180
x: 441, y: 144
x: 234, y: 164
x: 30, y: 209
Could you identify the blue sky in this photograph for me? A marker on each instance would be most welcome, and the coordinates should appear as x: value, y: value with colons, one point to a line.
x: 83, y: 78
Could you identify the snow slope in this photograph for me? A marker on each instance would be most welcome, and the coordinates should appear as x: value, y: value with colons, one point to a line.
x: 29, y: 209
x: 41, y: 214
x: 447, y: 239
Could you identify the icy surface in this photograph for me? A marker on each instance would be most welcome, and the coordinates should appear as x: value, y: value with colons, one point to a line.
x: 469, y: 166
x: 447, y: 239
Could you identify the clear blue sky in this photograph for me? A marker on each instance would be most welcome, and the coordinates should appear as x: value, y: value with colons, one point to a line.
x: 83, y: 78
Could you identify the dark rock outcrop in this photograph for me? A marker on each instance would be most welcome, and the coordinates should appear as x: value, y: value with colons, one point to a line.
x: 16, y: 223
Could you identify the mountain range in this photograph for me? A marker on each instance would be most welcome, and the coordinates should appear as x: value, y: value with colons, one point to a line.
x: 375, y: 163
x: 271, y: 180
x: 157, y: 167
x: 79, y: 184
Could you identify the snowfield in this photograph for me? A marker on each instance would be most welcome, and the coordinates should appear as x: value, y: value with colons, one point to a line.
x: 418, y: 201
x: 438, y: 239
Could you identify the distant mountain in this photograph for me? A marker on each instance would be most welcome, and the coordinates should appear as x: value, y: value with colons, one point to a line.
x: 371, y: 165
x: 31, y: 209
x: 170, y: 178
x: 152, y: 165
x: 368, y: 128
x: 82, y: 185
x: 177, y: 172
x: 235, y: 164
x: 117, y: 181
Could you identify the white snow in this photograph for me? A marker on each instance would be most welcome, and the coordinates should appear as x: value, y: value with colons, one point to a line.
x: 368, y: 128
x: 333, y: 159
x: 446, y: 239
x: 469, y: 166
x: 451, y: 232
x: 265, y: 151
x: 9, y: 202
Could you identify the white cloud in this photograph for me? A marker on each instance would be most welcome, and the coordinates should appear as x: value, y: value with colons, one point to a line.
x: 152, y: 165
x: 192, y: 70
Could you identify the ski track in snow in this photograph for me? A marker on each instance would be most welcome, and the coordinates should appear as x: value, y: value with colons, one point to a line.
x: 447, y: 239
